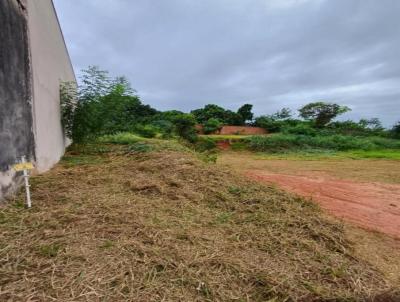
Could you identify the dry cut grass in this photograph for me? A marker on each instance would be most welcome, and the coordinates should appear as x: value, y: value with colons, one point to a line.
x: 143, y: 224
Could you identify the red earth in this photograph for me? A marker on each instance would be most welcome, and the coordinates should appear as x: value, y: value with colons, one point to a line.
x: 371, y: 205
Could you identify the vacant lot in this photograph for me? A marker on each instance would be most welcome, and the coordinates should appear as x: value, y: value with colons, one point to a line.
x: 151, y: 222
x: 364, y: 192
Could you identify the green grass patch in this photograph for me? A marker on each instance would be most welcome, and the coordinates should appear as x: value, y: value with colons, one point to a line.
x: 217, y: 137
x: 141, y: 147
x: 50, y: 250
x: 383, y: 154
x: 330, y: 154
x: 293, y: 142
x: 122, y: 138
x: 71, y: 161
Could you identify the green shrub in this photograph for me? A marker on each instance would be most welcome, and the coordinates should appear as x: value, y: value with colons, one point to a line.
x: 184, y: 125
x: 284, y: 142
x: 301, y: 129
x: 269, y: 123
x: 212, y: 126
x: 68, y: 102
x: 140, y: 147
x: 371, y: 127
x: 208, y: 157
x: 102, y: 105
x: 205, y: 144
x: 395, y: 131
x: 122, y: 138
x: 385, y: 143
x: 165, y: 127
x: 147, y: 131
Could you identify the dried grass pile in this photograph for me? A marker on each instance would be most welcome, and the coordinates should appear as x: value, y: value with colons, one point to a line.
x: 161, y: 225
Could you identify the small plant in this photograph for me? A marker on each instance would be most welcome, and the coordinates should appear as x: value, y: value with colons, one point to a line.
x: 209, y: 157
x: 205, y: 144
x: 68, y: 103
x: 147, y: 131
x: 107, y: 244
x: 234, y: 190
x: 140, y: 147
x: 50, y: 250
x: 223, y: 217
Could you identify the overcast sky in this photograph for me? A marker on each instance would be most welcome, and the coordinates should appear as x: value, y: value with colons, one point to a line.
x: 183, y: 54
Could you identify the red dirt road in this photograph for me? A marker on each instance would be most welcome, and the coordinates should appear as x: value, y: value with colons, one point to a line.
x: 372, y: 205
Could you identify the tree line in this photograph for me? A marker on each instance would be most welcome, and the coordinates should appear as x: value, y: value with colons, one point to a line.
x: 104, y: 105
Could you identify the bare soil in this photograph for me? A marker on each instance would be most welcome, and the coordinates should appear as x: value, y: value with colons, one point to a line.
x: 340, y: 186
x: 374, y: 206
x: 364, y: 193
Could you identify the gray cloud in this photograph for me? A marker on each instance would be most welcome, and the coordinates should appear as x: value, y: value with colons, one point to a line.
x: 182, y: 54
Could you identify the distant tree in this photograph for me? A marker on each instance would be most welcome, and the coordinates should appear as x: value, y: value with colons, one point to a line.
x: 202, y: 115
x: 395, y: 131
x: 232, y: 118
x: 282, y: 114
x: 373, y: 124
x: 226, y: 117
x: 276, y: 122
x: 185, y: 126
x: 168, y: 115
x: 122, y: 84
x: 268, y: 122
x: 245, y: 113
x: 212, y: 125
x: 95, y: 83
x: 322, y: 113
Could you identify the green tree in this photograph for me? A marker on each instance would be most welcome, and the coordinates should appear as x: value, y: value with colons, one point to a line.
x: 372, y: 123
x: 245, y: 113
x: 185, y: 126
x: 95, y: 83
x: 232, y: 118
x: 276, y: 122
x: 167, y: 115
x: 269, y: 123
x: 395, y: 131
x: 106, y: 106
x: 322, y: 113
x: 202, y: 115
x: 282, y: 114
x: 212, y: 125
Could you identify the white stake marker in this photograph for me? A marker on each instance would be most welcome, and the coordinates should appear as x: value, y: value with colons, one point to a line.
x: 25, y: 166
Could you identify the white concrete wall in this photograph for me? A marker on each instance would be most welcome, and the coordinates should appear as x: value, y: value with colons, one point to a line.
x: 50, y: 66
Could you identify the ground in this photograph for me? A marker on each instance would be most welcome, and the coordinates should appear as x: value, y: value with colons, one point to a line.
x: 363, y: 192
x: 151, y: 221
